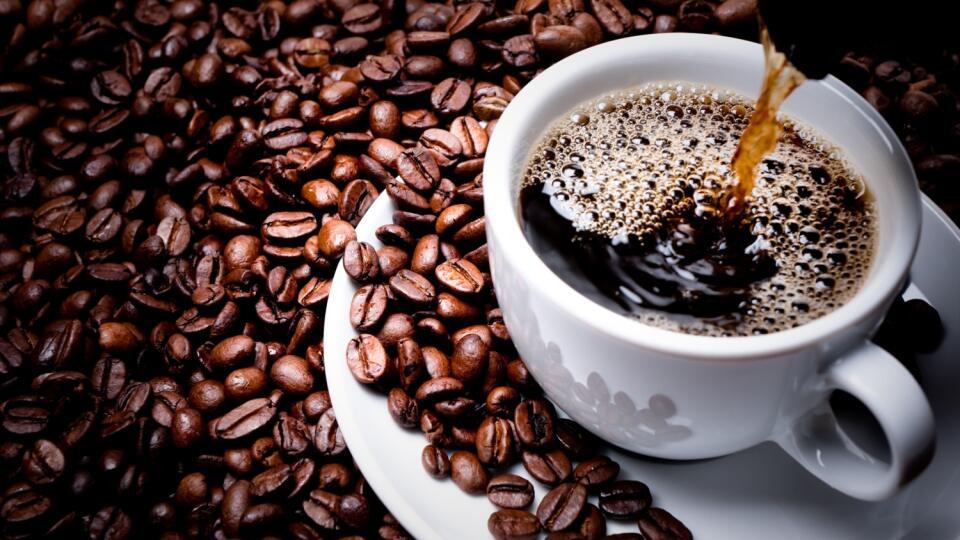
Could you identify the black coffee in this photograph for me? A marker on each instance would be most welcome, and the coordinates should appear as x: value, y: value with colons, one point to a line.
x: 622, y: 200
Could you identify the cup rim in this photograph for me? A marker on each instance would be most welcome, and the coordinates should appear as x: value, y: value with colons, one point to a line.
x: 503, y: 223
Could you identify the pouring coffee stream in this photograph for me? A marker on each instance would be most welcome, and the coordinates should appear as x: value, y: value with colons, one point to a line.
x: 759, y: 139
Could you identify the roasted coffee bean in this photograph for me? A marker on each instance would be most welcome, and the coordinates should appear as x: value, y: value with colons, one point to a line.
x: 549, y: 468
x: 510, y: 491
x: 186, y: 427
x: 468, y: 473
x: 576, y: 441
x: 334, y: 236
x: 368, y: 307
x: 231, y: 352
x: 245, y: 419
x: 596, y: 472
x: 613, y: 16
x: 460, y: 276
x: 664, y: 23
x: 495, y: 442
x: 260, y: 515
x: 395, y: 327
x: 426, y: 254
x: 534, y: 421
x: 367, y: 359
x: 285, y: 226
x: 108, y: 377
x: 245, y: 383
x: 236, y: 500
x: 384, y: 118
x: 292, y: 374
x: 658, y: 524
x: 469, y: 360
x: 411, y: 287
x: 625, y: 499
x: 435, y: 461
x: 363, y: 19
x: 437, y: 364
x: 502, y: 400
x: 561, y: 507
x: 560, y: 40
x: 418, y: 168
x: 321, y: 194
x: 291, y: 435
x: 403, y: 408
x: 450, y: 96
x: 328, y: 439
x: 465, y: 18
x: 391, y: 259
x: 207, y: 396
x: 43, y: 463
x: 510, y: 524
x: 439, y: 389
x: 423, y: 67
x: 407, y: 198
x: 410, y: 363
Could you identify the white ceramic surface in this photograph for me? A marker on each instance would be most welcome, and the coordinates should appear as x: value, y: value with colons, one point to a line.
x: 715, y: 396
x: 759, y: 493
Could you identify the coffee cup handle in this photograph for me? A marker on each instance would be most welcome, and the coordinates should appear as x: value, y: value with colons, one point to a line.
x: 893, y: 396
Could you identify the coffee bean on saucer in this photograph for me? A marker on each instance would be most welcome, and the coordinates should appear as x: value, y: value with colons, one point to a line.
x: 596, y: 472
x: 659, y: 524
x: 561, y: 507
x: 510, y: 491
x: 510, y: 524
x: 549, y: 468
x: 625, y: 499
x: 467, y: 472
x: 435, y: 461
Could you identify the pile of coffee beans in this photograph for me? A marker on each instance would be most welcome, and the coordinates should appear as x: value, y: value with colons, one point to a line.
x: 179, y: 179
x: 917, y: 90
x: 432, y: 339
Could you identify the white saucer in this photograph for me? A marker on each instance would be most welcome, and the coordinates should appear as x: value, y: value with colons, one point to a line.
x: 758, y: 493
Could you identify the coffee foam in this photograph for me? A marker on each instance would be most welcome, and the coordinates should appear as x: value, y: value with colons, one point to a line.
x: 621, y: 165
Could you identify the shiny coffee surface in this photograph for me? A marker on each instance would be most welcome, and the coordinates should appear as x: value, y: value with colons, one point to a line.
x: 621, y: 199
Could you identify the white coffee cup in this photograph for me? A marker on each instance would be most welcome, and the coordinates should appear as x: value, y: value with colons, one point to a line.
x: 678, y: 396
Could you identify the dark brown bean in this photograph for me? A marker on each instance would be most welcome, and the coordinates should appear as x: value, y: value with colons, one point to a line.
x: 328, y: 440
x: 468, y: 473
x: 658, y: 524
x: 43, y: 463
x: 439, y: 388
x: 510, y: 491
x: 625, y: 499
x: 460, y: 276
x: 403, y: 408
x: 368, y: 307
x: 549, y: 468
x: 510, y: 524
x: 613, y: 16
x: 412, y: 287
x: 245, y: 419
x: 367, y: 359
x: 418, y: 168
x: 596, y: 472
x: 494, y: 442
x: 469, y: 360
x: 534, y: 421
x: 435, y: 461
x: 561, y: 507
x: 592, y: 524
x: 450, y: 96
